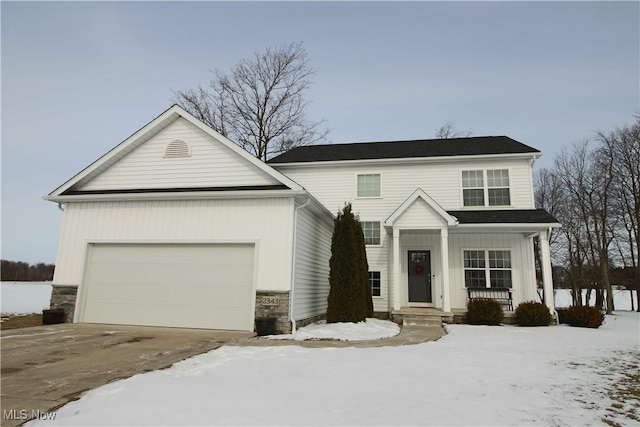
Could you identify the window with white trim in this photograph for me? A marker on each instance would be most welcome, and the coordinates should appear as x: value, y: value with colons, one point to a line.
x: 371, y: 230
x: 487, y: 268
x: 374, y: 280
x: 486, y: 187
x: 369, y: 185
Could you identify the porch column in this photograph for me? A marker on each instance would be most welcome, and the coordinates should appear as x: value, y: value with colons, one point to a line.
x: 547, y: 278
x: 444, y: 257
x: 397, y: 269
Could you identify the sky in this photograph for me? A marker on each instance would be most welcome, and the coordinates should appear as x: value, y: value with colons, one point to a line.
x: 80, y: 77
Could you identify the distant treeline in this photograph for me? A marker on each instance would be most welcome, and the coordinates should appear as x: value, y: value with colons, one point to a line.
x: 22, y: 272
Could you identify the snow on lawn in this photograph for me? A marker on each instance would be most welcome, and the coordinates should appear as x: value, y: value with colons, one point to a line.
x: 24, y: 297
x: 371, y: 329
x: 475, y: 375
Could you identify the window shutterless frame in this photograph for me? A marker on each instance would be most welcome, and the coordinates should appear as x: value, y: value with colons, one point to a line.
x: 368, y: 185
x: 487, y: 268
x: 485, y: 188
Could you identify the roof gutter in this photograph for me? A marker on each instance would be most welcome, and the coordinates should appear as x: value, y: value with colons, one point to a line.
x: 432, y: 159
x: 178, y: 195
x: 293, y: 262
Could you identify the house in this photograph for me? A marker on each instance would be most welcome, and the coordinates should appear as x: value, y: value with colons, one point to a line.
x: 178, y: 226
x: 444, y: 221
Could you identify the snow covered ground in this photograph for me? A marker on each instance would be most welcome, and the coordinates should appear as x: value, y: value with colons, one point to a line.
x: 24, y: 297
x: 475, y: 375
x: 621, y: 298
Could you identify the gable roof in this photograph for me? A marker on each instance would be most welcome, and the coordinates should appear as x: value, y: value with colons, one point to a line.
x: 472, y: 146
x: 145, y: 133
x: 420, y: 194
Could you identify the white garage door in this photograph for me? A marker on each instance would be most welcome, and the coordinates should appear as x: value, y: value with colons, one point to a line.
x: 180, y: 285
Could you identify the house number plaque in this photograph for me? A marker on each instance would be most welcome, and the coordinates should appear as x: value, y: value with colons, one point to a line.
x: 272, y: 301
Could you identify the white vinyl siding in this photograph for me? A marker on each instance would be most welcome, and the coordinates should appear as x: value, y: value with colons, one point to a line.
x: 313, y: 251
x: 187, y: 221
x: 156, y: 164
x: 440, y: 180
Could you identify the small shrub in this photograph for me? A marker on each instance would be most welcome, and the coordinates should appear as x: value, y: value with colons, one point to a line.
x: 484, y: 311
x: 584, y: 316
x: 532, y: 313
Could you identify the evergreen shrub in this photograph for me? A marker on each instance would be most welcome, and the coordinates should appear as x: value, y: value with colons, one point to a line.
x: 532, y: 313
x: 484, y: 311
x: 350, y: 297
x: 585, y: 316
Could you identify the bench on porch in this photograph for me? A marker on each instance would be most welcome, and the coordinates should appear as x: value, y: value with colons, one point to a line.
x: 502, y: 295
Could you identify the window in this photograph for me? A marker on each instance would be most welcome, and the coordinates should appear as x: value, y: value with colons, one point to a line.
x: 369, y: 185
x: 496, y: 191
x: 487, y: 269
x: 371, y: 232
x: 374, y: 280
x: 498, y: 187
x: 473, y: 188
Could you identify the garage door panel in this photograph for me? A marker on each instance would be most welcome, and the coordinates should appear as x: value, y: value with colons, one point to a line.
x: 199, y: 286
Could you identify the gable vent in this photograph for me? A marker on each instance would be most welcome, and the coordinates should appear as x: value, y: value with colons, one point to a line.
x: 177, y: 148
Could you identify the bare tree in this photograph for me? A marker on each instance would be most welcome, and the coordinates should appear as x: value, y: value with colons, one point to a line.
x: 261, y: 104
x: 622, y: 146
x: 587, y: 177
x: 448, y: 131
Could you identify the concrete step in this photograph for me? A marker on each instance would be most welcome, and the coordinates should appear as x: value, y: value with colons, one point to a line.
x: 421, y: 320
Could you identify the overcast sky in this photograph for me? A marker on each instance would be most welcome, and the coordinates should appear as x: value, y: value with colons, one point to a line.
x: 80, y: 77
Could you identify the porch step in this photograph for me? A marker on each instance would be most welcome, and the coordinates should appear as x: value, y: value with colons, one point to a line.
x: 428, y: 320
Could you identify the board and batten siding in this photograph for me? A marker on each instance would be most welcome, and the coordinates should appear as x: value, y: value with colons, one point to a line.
x: 522, y: 260
x: 181, y: 221
x: 334, y: 184
x: 313, y: 251
x: 210, y: 164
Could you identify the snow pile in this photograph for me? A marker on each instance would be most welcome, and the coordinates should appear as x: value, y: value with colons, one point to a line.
x: 370, y: 329
x: 476, y: 375
x: 25, y: 297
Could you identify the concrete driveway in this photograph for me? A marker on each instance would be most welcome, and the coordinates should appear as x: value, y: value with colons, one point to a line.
x: 45, y: 367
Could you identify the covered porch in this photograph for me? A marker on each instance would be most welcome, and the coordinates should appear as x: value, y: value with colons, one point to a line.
x: 436, y: 256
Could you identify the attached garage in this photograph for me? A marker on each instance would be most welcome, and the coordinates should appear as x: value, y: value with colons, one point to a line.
x: 180, y: 285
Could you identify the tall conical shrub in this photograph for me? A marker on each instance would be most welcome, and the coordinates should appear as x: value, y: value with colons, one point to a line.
x: 350, y: 292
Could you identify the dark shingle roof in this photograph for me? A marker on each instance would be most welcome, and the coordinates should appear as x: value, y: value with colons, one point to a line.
x: 510, y: 216
x: 405, y: 149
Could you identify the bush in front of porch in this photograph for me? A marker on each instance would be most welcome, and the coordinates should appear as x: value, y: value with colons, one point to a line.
x: 532, y: 313
x: 484, y: 311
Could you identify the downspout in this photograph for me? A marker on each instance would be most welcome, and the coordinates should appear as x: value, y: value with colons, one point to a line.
x: 60, y: 207
x: 293, y: 263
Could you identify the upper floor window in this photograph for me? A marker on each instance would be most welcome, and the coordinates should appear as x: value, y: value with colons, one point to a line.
x: 371, y: 230
x: 480, y: 187
x: 369, y: 185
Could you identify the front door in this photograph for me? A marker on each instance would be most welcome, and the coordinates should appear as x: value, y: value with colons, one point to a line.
x: 419, y: 276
